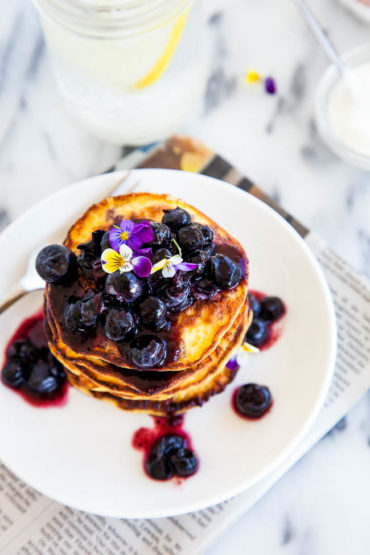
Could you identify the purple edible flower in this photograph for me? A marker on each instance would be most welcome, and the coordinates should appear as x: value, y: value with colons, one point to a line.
x: 233, y: 364
x: 141, y: 265
x: 130, y: 234
x: 270, y: 85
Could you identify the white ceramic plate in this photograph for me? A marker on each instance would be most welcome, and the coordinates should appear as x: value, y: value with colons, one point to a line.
x: 81, y: 454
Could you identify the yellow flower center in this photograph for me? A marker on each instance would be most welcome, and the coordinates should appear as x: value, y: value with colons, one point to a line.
x: 124, y: 236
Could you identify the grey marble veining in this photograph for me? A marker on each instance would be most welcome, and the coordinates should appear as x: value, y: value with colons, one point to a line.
x: 321, y: 506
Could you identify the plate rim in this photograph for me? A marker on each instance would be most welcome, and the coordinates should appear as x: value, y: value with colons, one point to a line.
x: 293, y: 444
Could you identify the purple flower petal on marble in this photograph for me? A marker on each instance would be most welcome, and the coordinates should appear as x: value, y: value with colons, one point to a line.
x: 142, y: 266
x: 233, y: 364
x: 186, y: 266
x: 270, y: 85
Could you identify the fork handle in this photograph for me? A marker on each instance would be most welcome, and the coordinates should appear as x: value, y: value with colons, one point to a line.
x: 16, y: 293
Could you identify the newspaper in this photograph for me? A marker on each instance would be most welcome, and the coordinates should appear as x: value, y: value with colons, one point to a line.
x: 30, y: 523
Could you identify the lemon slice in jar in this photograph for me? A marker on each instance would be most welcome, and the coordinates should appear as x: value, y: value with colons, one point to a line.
x: 161, y: 65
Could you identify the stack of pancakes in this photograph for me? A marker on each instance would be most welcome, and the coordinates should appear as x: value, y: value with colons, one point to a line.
x: 208, y: 333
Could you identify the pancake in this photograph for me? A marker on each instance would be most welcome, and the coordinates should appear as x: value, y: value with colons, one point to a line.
x: 199, y: 340
x: 142, y: 385
x: 198, y: 329
x: 164, y: 393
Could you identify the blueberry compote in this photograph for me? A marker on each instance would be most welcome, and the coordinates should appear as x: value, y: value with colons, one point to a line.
x: 30, y: 369
x: 252, y: 401
x: 167, y: 449
x: 267, y: 310
x: 137, y: 314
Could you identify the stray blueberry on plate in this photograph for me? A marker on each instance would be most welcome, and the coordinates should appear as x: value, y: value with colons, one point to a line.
x: 184, y: 462
x: 40, y: 382
x: 12, y: 374
x: 272, y: 308
x: 258, y: 333
x: 253, y: 400
x: 158, y: 467
x: 254, y: 304
x: 23, y: 349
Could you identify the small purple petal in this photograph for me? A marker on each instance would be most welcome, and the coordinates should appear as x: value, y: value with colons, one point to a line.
x: 144, y: 252
x: 270, y: 85
x: 142, y: 266
x: 232, y: 364
x: 186, y: 266
x: 115, y: 238
x: 134, y: 242
x: 145, y: 233
x: 127, y: 225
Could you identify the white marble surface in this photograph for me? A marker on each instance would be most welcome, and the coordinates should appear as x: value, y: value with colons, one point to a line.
x: 321, y: 506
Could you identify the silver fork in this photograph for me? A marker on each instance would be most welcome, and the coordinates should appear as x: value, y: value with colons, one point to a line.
x: 31, y: 281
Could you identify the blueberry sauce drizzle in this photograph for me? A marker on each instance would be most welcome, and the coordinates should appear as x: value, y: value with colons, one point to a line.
x: 29, y: 368
x: 167, y: 448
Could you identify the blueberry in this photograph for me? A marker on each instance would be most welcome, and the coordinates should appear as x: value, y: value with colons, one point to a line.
x: 177, y: 297
x: 72, y: 318
x: 23, y: 349
x: 253, y: 400
x: 203, y: 289
x: 168, y: 444
x: 86, y: 262
x: 158, y: 468
x: 118, y: 324
x: 89, y: 313
x: 201, y: 259
x: 162, y: 234
x: 56, y: 264
x: 56, y: 368
x: 258, y: 333
x: 40, y: 382
x: 102, y: 303
x: 148, y: 351
x: 184, y: 462
x: 105, y: 243
x: 254, y: 304
x: 272, y: 308
x: 191, y: 238
x: 224, y: 271
x: 153, y: 313
x: 176, y: 218
x: 125, y: 287
x: 160, y: 255
x: 12, y: 374
x: 207, y: 234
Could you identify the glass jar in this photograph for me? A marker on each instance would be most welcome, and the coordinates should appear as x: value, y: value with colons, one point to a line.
x: 131, y: 71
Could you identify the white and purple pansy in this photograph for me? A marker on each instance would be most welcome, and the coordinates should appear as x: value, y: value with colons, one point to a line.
x: 169, y: 266
x: 131, y: 234
x: 126, y: 260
